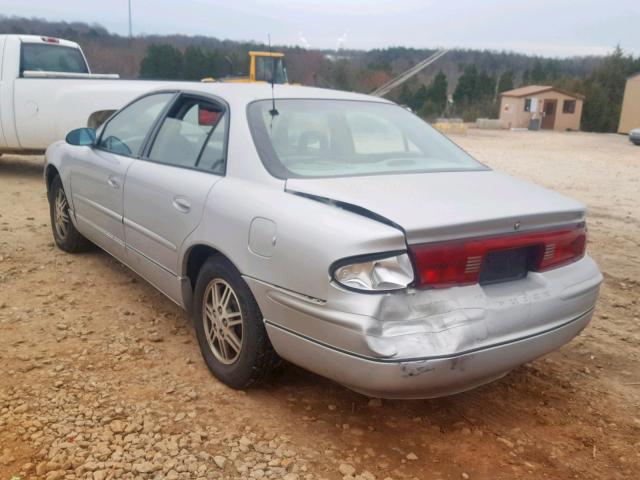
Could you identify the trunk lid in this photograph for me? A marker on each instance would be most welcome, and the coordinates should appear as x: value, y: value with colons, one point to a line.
x: 439, y: 206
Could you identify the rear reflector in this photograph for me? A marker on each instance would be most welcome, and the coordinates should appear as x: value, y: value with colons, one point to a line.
x: 459, y: 262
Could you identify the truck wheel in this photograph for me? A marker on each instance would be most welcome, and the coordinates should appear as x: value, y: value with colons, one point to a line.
x: 65, y: 233
x: 230, y: 327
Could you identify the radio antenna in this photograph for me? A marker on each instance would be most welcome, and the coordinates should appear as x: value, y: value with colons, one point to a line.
x: 273, y: 112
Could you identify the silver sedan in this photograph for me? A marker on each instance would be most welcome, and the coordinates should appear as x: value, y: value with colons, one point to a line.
x: 337, y: 231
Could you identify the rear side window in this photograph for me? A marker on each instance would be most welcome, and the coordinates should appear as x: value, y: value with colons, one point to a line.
x: 192, y: 135
x: 51, y: 58
x: 126, y: 132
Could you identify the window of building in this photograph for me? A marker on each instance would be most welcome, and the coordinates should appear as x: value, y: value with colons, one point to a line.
x: 569, y: 106
x: 527, y: 104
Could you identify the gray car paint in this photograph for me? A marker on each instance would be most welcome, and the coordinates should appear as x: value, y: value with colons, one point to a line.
x: 176, y: 198
x: 96, y: 186
x: 385, y: 341
x: 443, y: 205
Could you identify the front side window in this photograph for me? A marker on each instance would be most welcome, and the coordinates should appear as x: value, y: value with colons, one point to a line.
x: 333, y: 138
x: 42, y: 57
x: 126, y: 132
x: 192, y: 135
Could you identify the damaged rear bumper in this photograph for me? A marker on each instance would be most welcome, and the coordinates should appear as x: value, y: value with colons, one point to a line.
x: 431, y: 342
x: 426, y: 377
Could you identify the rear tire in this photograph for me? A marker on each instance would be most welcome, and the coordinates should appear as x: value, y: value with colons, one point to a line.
x: 65, y: 234
x: 230, y: 327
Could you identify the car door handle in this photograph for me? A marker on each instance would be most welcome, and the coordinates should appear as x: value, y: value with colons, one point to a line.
x: 181, y: 204
x: 113, y: 182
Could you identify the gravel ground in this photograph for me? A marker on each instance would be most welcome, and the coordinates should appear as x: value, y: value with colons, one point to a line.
x: 102, y: 378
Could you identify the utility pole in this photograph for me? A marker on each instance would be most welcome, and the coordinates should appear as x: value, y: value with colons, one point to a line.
x: 130, y: 27
x: 130, y: 50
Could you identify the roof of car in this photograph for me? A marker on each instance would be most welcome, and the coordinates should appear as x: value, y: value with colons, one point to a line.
x: 248, y: 92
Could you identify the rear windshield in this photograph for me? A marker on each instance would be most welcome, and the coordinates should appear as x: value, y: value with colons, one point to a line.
x: 51, y: 58
x: 338, y: 138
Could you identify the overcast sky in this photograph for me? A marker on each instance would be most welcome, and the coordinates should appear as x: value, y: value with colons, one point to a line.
x: 544, y: 27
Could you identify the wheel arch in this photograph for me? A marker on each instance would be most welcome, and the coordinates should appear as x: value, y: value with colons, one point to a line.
x: 50, y: 173
x: 193, y: 259
x: 195, y: 256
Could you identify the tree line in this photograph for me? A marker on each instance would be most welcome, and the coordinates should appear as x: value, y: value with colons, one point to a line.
x: 477, y: 91
x: 471, y: 79
x: 164, y: 61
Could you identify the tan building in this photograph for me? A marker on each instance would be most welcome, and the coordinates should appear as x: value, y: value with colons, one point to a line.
x: 630, y: 114
x: 550, y: 108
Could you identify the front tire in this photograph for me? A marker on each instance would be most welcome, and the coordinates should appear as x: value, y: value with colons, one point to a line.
x: 229, y: 326
x: 64, y: 231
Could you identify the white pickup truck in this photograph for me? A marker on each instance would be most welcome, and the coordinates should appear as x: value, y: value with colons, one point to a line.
x: 47, y: 89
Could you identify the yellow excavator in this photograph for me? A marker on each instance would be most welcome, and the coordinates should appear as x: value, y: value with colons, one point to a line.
x: 262, y: 65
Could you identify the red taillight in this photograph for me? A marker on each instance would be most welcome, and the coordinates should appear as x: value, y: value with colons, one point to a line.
x: 565, y: 246
x: 459, y: 262
x: 50, y: 40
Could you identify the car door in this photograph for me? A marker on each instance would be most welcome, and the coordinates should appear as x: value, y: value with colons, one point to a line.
x: 98, y: 173
x: 165, y: 191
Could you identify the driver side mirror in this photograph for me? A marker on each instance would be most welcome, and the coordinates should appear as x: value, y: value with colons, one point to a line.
x: 81, y: 137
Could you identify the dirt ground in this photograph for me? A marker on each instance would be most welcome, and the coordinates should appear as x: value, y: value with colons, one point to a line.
x: 101, y: 376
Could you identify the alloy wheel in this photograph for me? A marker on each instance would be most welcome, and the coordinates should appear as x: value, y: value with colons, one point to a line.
x: 61, y: 214
x: 222, y: 319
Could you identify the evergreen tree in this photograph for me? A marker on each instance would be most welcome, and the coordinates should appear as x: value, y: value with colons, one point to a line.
x: 474, y: 95
x: 419, y: 98
x: 196, y: 64
x: 604, y: 90
x: 341, y: 75
x: 405, y: 97
x: 485, y: 87
x: 551, y: 70
x: 162, y: 62
x: 467, y: 85
x: 437, y: 92
x: 538, y: 75
x: 217, y: 65
x: 506, y: 81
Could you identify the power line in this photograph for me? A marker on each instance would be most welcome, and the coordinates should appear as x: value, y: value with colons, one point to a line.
x: 406, y: 75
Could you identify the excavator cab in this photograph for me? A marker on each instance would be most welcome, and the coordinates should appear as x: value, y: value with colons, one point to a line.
x: 262, y: 65
x: 265, y: 64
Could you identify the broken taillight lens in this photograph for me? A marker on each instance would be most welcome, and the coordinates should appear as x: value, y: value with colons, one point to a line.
x: 459, y: 262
